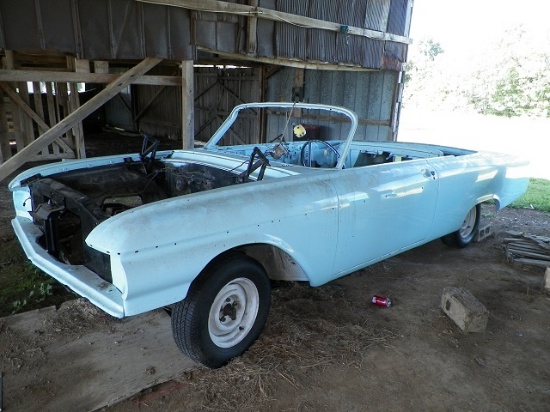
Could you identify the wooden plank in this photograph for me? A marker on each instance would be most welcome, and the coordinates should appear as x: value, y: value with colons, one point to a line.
x: 251, y: 30
x: 16, y: 98
x: 84, y: 359
x: 284, y: 62
x: 5, y: 148
x: 9, y: 63
x: 39, y: 107
x: 81, y: 66
x: 85, y: 110
x: 535, y: 262
x: 524, y: 253
x: 269, y: 14
x: 74, y: 105
x: 187, y: 104
x: 62, y: 100
x: 52, y: 110
x: 26, y: 121
x: 298, y: 92
x: 102, y: 67
x: 77, y: 77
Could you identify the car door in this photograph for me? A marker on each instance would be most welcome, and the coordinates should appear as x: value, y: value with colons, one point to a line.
x: 383, y: 209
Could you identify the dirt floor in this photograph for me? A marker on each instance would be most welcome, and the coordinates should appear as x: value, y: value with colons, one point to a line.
x: 329, y: 348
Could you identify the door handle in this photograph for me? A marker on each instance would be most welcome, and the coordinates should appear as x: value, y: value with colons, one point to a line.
x: 428, y: 173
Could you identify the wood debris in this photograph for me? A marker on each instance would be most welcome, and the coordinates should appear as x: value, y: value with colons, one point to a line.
x: 528, y: 249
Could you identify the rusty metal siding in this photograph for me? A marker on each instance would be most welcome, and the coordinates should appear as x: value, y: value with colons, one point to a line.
x: 126, y: 29
x: 57, y: 18
x: 12, y: 21
x: 96, y: 30
x: 399, y: 12
x: 217, y: 31
x: 324, y: 46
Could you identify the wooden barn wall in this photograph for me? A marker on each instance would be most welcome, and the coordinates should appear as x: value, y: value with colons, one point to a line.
x: 218, y: 91
x: 158, y: 109
x: 127, y: 29
x: 370, y: 94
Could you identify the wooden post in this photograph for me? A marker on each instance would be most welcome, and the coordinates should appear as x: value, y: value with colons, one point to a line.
x: 85, y: 110
x: 187, y: 104
x: 252, y: 24
x: 298, y: 90
x: 9, y: 64
x: 5, y: 149
x: 26, y: 121
x: 79, y: 66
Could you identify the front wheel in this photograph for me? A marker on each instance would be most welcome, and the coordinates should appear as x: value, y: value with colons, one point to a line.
x: 224, y: 312
x: 464, y: 236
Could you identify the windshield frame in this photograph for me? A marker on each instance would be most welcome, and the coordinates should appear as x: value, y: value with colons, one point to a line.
x: 352, y: 116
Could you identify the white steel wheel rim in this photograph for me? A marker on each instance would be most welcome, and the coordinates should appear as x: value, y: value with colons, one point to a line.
x: 468, y: 225
x: 233, y: 312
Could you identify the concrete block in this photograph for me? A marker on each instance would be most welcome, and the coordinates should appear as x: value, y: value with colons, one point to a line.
x: 464, y: 309
x: 484, y: 231
x: 547, y: 279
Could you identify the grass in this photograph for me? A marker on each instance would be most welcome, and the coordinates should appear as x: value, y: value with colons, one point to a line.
x: 537, y: 196
x: 24, y: 287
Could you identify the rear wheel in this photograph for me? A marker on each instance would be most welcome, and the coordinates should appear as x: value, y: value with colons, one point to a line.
x: 464, y: 236
x: 224, y: 312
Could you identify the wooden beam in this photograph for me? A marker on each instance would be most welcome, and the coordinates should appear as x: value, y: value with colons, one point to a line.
x: 285, y: 62
x: 77, y: 77
x: 187, y: 104
x: 79, y: 66
x: 274, y: 15
x: 85, y: 110
x: 24, y: 106
x: 251, y: 28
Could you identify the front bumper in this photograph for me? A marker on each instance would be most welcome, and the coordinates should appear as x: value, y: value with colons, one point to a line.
x: 77, y: 277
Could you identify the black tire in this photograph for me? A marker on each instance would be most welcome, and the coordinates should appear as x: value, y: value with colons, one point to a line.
x: 464, y: 236
x: 215, y: 304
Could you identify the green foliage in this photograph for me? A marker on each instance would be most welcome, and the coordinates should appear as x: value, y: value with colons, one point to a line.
x: 537, y: 196
x: 519, y: 86
x: 23, y: 286
x: 38, y: 294
x: 430, y: 48
x: 510, y: 77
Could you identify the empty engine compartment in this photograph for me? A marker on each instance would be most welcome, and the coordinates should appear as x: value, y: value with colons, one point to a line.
x: 67, y: 206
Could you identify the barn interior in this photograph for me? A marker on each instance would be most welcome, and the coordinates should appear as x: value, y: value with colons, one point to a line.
x: 176, y: 68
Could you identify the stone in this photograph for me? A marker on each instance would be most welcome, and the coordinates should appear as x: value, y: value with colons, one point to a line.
x: 469, y: 314
x: 547, y: 279
x: 483, y: 232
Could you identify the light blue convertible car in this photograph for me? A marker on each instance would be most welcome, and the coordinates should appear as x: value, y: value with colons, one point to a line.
x: 204, y: 231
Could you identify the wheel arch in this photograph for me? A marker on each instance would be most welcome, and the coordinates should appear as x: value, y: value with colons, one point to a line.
x: 490, y: 199
x: 277, y: 263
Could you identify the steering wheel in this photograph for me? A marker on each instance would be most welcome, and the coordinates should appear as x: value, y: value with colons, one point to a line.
x: 308, y: 145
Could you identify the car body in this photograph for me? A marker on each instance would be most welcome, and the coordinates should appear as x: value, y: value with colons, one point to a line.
x: 134, y: 233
